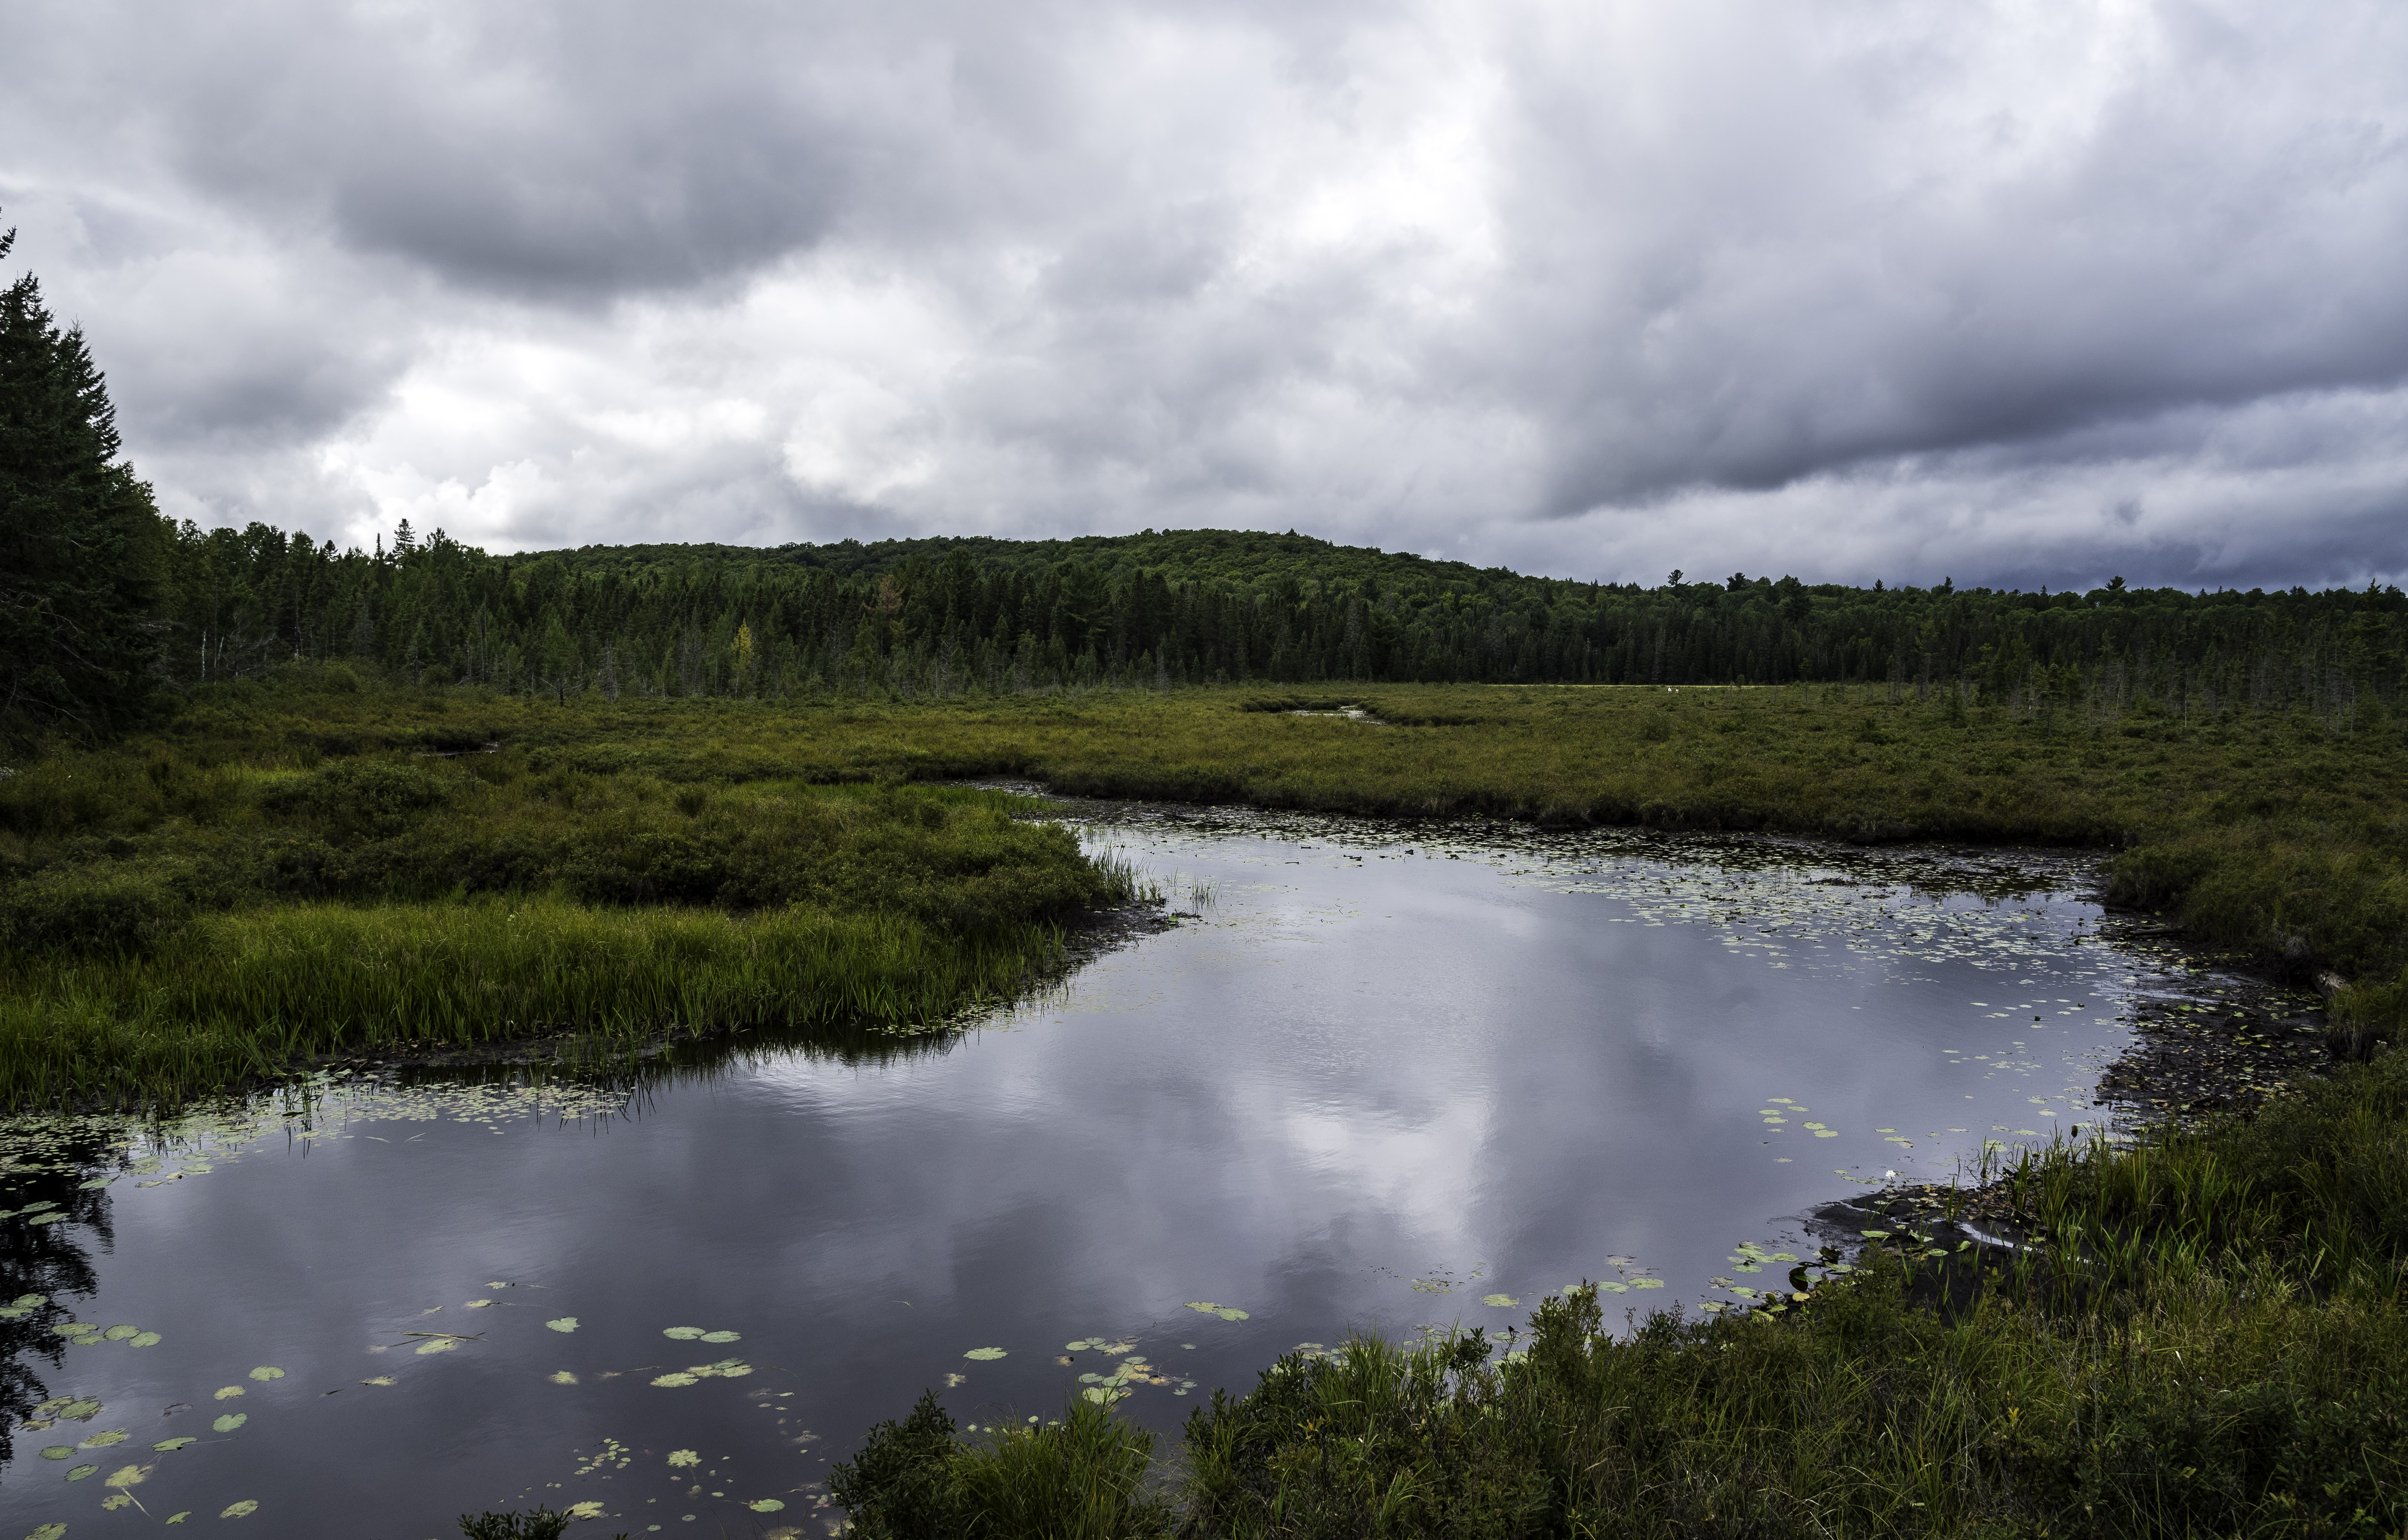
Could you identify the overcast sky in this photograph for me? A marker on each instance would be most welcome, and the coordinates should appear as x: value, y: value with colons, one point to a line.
x: 2008, y: 293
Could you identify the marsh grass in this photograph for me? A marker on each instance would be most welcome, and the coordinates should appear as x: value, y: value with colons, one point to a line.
x: 183, y: 914
x: 2270, y: 835
x: 1079, y: 1477
x: 2207, y: 1341
x: 251, y: 991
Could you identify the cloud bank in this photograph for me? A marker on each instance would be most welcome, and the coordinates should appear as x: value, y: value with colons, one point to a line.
x: 1857, y: 289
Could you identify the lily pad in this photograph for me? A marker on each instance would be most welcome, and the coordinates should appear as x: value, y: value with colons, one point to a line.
x: 144, y: 1339
x: 102, y: 1440
x: 1227, y: 1312
x: 683, y: 1333
x: 243, y: 1509
x: 984, y: 1355
x: 766, y: 1504
x: 128, y: 1475
x: 119, y: 1334
x: 685, y: 1457
x: 1500, y: 1300
x: 58, y: 1451
x: 723, y: 1336
x: 169, y: 1446
x: 52, y: 1531
x: 1646, y: 1283
x: 232, y: 1421
x: 566, y: 1323
x: 80, y: 1411
x: 82, y: 1471
x: 563, y: 1377
x: 439, y: 1345
x: 478, y: 1305
x: 381, y: 1379
x: 674, y: 1380
x: 267, y: 1373
x: 229, y: 1392
x: 589, y: 1508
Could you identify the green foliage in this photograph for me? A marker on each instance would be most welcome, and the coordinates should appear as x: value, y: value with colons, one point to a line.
x: 102, y: 912
x: 83, y: 551
x: 378, y: 797
x: 248, y: 992
x: 1081, y: 1478
x: 537, y: 1523
x: 901, y: 1486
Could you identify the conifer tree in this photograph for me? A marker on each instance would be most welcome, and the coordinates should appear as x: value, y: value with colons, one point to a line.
x: 82, y: 548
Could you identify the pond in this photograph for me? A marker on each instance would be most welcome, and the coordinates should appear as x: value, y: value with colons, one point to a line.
x: 1374, y: 1077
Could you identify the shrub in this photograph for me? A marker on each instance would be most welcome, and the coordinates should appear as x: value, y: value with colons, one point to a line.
x: 379, y: 796
x: 74, y: 910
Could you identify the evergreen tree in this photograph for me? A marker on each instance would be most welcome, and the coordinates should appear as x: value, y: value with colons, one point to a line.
x: 82, y: 548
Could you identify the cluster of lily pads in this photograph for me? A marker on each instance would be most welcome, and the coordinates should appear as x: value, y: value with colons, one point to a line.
x: 120, y: 1483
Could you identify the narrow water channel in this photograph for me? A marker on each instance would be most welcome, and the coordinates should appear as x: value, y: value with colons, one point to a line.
x: 1374, y: 1078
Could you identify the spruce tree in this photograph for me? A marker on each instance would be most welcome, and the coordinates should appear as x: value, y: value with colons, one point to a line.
x: 82, y: 547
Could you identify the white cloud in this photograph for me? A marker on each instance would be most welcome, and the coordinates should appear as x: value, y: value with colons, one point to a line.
x: 1855, y: 289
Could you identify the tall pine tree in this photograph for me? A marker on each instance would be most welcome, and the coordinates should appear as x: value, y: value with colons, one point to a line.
x: 82, y: 547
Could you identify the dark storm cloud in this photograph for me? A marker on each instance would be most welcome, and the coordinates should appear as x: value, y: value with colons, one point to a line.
x: 1851, y: 288
x: 1808, y: 293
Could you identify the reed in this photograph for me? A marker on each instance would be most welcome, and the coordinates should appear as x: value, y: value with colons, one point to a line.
x: 246, y: 993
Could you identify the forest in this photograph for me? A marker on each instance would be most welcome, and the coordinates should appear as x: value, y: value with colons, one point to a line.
x: 903, y: 619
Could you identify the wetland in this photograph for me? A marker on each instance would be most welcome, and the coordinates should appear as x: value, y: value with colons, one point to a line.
x: 1402, y: 1079
x: 429, y: 1103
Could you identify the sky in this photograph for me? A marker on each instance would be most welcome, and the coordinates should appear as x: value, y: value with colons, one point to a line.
x: 2006, y: 292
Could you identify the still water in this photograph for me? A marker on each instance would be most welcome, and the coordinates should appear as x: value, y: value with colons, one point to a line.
x: 1373, y: 1078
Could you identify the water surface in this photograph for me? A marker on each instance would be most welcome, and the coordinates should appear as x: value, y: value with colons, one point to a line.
x: 1377, y: 1079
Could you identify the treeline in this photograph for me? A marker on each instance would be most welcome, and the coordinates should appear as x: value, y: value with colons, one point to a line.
x: 1157, y: 610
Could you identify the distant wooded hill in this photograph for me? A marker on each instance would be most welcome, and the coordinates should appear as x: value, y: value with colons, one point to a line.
x: 1188, y: 607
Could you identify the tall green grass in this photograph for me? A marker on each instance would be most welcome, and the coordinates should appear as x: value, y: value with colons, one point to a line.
x: 248, y: 992
x: 2210, y: 1341
x: 177, y: 916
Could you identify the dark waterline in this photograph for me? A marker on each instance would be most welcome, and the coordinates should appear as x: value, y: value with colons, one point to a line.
x: 1382, y: 1077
